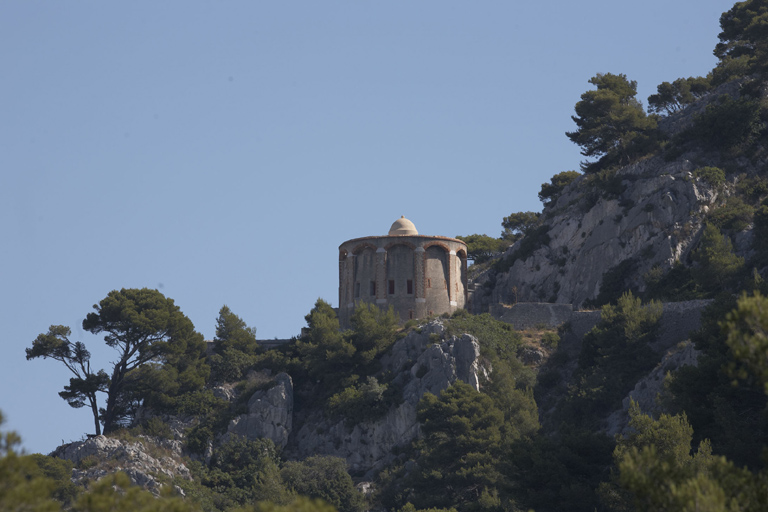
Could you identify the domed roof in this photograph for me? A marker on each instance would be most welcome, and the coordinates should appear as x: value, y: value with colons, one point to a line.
x: 403, y: 226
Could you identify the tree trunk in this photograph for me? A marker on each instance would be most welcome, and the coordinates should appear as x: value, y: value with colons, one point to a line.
x: 95, y: 410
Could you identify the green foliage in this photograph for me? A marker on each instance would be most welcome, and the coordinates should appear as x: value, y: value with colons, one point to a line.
x: 671, y: 97
x: 519, y: 224
x: 752, y: 188
x: 373, y: 332
x: 712, y: 175
x: 244, y: 471
x: 510, y: 385
x: 198, y: 403
x: 60, y: 472
x: 461, y: 448
x: 156, y: 427
x: 236, y: 347
x: 744, y: 36
x: 22, y: 484
x: 551, y: 191
x: 497, y: 339
x: 160, y: 356
x: 534, y: 240
x: 747, y: 328
x: 730, y: 69
x: 409, y: 507
x: 731, y: 416
x: 116, y: 494
x: 728, y: 124
x: 550, y: 340
x: 657, y: 468
x: 75, y: 357
x: 481, y: 248
x: 300, y: 504
x: 734, y: 216
x: 612, y: 124
x: 324, y: 351
x: 213, y: 415
x: 677, y: 284
x: 231, y: 331
x: 614, y: 354
x: 613, y: 284
x: 717, y: 267
x: 561, y: 471
x: 760, y: 240
x: 608, y: 183
x: 40, y: 483
x: 332, y: 357
x: 462, y: 459
x: 670, y: 435
x: 325, y: 478
x: 358, y: 403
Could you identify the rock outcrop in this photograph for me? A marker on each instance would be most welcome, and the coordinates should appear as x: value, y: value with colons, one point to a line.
x: 145, y: 460
x: 422, y: 362
x: 650, y: 214
x: 270, y: 413
x: 647, y: 389
x: 654, y: 222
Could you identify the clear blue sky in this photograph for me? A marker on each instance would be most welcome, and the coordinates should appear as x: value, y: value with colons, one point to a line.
x: 221, y: 151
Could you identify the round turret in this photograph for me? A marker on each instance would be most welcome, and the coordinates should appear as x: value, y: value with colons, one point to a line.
x: 417, y: 275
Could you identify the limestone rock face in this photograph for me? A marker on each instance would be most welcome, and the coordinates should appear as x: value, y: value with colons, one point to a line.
x: 270, y: 413
x: 423, y: 362
x: 427, y: 360
x: 650, y: 215
x: 143, y: 460
x: 648, y: 388
x: 655, y: 221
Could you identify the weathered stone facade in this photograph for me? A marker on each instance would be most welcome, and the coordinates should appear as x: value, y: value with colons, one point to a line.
x: 418, y: 275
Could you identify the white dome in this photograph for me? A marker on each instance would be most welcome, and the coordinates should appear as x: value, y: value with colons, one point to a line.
x: 403, y: 226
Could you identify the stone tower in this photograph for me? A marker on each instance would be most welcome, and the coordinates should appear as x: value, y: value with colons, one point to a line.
x: 418, y: 275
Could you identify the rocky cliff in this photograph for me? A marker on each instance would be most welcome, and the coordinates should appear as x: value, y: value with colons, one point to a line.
x: 603, y: 228
x: 424, y: 361
x: 148, y: 461
x: 653, y: 222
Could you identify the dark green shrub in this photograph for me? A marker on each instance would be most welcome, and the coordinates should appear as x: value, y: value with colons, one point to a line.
x: 608, y: 182
x: 533, y: 240
x: 550, y: 339
x: 614, y: 283
x: 734, y: 216
x: 754, y: 189
x: 614, y: 354
x: 156, y: 427
x: 552, y: 190
x: 326, y: 478
x: 717, y: 268
x: 712, y: 175
x: 676, y: 284
x: 60, y: 471
x: 548, y: 379
x: 727, y: 124
x: 359, y: 403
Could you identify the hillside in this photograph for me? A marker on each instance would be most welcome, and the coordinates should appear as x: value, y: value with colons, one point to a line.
x: 652, y: 395
x: 627, y: 228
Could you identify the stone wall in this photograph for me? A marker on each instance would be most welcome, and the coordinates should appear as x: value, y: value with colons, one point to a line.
x: 268, y: 344
x: 677, y: 321
x: 527, y: 315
